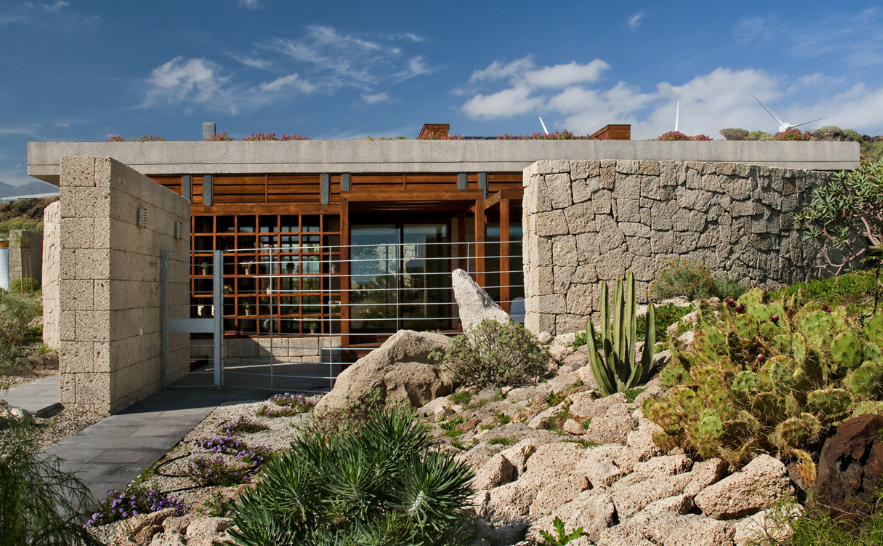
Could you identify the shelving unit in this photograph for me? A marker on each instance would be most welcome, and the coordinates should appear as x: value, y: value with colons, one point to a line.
x: 281, y: 271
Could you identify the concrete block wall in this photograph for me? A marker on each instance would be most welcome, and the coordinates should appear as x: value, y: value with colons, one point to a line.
x: 280, y: 349
x: 25, y: 255
x: 110, y: 324
x: 591, y: 221
x: 50, y: 280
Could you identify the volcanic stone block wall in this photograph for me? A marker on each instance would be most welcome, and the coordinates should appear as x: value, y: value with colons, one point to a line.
x: 591, y: 221
x: 25, y: 255
x: 110, y: 280
x: 51, y: 256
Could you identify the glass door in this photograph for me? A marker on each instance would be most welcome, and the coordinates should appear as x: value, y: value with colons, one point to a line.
x: 400, y: 278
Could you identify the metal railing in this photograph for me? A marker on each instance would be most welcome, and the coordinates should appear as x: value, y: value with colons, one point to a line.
x: 355, y: 295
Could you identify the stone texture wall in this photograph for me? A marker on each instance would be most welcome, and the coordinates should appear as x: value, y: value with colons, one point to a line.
x: 51, y: 255
x: 110, y: 323
x: 25, y: 255
x: 591, y: 221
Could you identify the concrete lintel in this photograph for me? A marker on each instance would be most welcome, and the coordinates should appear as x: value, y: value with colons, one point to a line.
x: 358, y: 156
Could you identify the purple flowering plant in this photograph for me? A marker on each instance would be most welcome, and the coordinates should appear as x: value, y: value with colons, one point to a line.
x: 285, y: 405
x: 253, y: 455
x: 206, y: 471
x: 136, y: 499
x: 243, y: 425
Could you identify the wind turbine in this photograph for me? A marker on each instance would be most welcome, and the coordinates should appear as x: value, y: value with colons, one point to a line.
x: 784, y: 126
x: 544, y: 125
x: 677, y: 116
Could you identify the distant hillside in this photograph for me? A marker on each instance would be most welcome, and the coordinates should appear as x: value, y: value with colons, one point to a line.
x: 31, y: 188
x: 23, y: 214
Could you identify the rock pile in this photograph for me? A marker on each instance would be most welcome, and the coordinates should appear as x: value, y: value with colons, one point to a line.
x: 166, y: 528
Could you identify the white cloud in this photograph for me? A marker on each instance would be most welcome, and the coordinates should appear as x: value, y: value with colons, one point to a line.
x: 708, y: 102
x: 379, y: 97
x: 336, y: 59
x: 506, y: 103
x: 635, y: 20
x: 251, y: 4
x: 195, y: 80
x: 563, y: 75
x: 253, y: 62
x: 292, y: 80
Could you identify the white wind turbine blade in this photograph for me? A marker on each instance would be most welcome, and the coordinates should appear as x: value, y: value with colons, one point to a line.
x: 677, y: 116
x: 544, y: 125
x: 811, y: 121
x: 781, y: 123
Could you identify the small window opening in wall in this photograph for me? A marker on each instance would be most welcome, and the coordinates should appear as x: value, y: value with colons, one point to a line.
x: 142, y: 217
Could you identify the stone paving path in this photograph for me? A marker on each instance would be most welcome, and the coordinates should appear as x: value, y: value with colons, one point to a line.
x: 110, y: 454
x: 39, y: 397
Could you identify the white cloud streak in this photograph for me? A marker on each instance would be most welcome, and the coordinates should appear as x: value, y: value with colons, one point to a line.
x: 636, y: 19
x: 708, y: 102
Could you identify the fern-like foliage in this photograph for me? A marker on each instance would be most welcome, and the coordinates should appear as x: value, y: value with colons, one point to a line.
x: 378, y: 486
x: 39, y: 503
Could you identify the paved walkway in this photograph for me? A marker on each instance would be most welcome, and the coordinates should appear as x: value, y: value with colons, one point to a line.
x: 110, y: 454
x: 39, y: 397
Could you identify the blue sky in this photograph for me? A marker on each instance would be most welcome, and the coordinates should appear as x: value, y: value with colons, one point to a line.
x: 328, y: 70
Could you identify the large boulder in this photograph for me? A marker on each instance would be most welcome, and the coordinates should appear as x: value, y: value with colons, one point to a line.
x: 757, y: 487
x: 400, y: 368
x: 474, y: 303
x: 851, y: 465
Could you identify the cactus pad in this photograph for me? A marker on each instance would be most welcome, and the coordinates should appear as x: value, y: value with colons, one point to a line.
x: 872, y: 352
x: 746, y: 383
x: 874, y: 329
x: 751, y: 297
x: 865, y: 380
x: 816, y: 327
x: 746, y: 326
x: 830, y: 402
x: 846, y: 350
x: 792, y: 432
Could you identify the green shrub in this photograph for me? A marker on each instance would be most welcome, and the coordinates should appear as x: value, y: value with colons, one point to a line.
x: 847, y: 213
x: 734, y: 134
x: 759, y: 135
x: 683, y: 278
x: 24, y: 285
x: 854, y: 290
x: 729, y: 288
x: 350, y: 419
x: 15, y: 224
x: 39, y: 501
x: 496, y: 355
x: 381, y: 486
x: 666, y: 315
x: 769, y: 377
x: 815, y: 526
x: 16, y: 313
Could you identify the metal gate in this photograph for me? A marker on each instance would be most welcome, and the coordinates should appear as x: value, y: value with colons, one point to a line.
x: 198, y: 304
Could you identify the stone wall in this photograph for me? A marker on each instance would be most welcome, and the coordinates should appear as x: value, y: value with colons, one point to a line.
x: 591, y: 221
x: 25, y: 255
x: 110, y: 323
x: 51, y: 255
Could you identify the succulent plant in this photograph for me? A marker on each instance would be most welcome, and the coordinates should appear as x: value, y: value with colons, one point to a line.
x: 614, y: 365
x: 748, y: 382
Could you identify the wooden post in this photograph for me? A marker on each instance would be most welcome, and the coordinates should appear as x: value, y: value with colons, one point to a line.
x: 479, y: 242
x: 345, y: 272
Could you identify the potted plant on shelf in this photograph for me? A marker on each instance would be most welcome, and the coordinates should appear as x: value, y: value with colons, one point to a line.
x: 246, y: 266
x: 228, y: 289
x: 247, y: 308
x: 314, y: 327
x: 204, y: 266
x: 289, y: 268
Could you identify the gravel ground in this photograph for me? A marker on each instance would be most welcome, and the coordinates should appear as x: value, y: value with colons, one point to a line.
x: 62, y: 425
x: 168, y: 473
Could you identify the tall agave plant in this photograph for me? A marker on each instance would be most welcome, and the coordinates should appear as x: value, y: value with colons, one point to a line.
x: 614, y: 364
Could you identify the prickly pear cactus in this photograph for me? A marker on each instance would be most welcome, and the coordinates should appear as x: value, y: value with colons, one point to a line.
x: 769, y: 376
